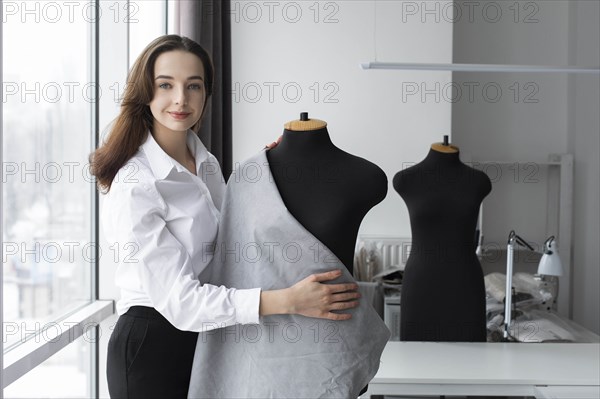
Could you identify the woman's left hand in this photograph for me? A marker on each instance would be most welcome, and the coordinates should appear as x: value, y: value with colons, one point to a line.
x: 273, y: 144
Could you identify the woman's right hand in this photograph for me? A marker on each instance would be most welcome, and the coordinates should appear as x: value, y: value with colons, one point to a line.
x: 311, y: 298
x: 274, y: 144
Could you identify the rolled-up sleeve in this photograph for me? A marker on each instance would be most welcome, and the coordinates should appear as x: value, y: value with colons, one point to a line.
x: 163, y: 266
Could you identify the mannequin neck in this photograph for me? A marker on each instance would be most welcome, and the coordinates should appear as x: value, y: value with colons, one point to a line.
x: 445, y: 157
x: 311, y: 140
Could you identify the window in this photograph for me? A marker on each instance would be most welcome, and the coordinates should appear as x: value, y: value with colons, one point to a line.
x: 49, y: 93
x: 49, y: 246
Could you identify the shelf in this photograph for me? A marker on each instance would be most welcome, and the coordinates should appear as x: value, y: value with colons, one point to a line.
x: 478, y: 67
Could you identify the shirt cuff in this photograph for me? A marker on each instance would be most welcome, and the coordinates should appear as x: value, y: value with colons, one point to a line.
x: 247, y: 304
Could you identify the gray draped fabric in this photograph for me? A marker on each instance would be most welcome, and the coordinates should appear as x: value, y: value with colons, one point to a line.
x: 208, y: 23
x: 260, y: 244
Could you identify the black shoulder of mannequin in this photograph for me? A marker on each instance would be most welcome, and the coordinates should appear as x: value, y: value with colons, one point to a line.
x: 397, y: 181
x: 486, y: 183
x: 370, y: 177
x: 401, y: 176
x: 379, y: 182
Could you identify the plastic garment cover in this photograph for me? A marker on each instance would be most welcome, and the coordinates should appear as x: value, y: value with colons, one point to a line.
x: 260, y: 244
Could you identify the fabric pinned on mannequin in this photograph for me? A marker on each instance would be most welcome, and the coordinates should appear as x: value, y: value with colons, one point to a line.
x: 260, y: 244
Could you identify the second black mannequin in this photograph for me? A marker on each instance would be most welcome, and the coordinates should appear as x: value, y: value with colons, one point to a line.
x: 443, y: 291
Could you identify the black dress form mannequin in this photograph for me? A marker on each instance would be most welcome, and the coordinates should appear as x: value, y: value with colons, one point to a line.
x: 443, y: 291
x: 326, y: 189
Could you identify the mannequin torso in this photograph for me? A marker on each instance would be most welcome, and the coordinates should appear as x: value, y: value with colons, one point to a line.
x: 443, y: 293
x: 326, y: 189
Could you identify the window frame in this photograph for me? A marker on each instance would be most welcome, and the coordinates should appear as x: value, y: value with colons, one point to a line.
x: 33, y: 352
x: 1, y: 209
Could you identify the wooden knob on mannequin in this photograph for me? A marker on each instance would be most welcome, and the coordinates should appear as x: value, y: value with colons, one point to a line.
x: 305, y: 124
x: 444, y: 146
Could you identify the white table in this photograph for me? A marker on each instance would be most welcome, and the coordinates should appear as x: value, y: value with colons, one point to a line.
x: 543, y: 370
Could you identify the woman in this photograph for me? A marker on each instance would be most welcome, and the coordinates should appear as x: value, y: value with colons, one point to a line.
x: 163, y: 196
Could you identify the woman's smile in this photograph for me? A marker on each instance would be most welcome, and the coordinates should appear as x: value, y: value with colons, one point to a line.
x: 179, y: 115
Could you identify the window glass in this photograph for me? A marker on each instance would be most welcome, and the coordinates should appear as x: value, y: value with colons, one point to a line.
x: 49, y: 95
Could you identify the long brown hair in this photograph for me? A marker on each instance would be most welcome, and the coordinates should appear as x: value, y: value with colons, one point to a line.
x: 130, y: 128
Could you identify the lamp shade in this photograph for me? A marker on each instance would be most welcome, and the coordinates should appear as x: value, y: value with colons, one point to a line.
x: 550, y: 264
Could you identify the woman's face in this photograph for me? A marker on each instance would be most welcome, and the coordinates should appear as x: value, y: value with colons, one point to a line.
x: 179, y: 93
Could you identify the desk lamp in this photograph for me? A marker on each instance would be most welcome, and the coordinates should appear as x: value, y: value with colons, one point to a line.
x: 550, y: 265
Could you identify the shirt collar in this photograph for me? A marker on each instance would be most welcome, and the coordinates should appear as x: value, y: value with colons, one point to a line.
x: 162, y: 164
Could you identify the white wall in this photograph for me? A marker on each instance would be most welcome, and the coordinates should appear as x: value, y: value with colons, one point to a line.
x: 536, y: 115
x: 369, y: 113
x: 584, y: 143
x: 518, y: 117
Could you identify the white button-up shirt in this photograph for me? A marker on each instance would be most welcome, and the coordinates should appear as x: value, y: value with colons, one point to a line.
x: 164, y: 219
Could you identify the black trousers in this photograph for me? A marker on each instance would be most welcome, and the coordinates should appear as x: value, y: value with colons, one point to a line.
x: 148, y: 357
